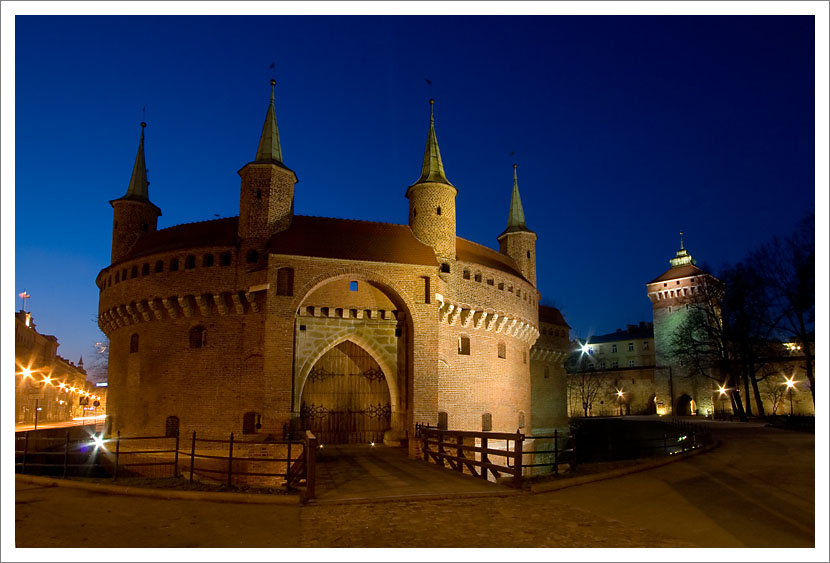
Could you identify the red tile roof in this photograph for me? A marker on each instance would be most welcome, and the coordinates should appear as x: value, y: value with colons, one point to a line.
x: 468, y: 251
x: 551, y: 315
x: 218, y: 232
x: 349, y: 239
x: 680, y: 272
x: 323, y: 237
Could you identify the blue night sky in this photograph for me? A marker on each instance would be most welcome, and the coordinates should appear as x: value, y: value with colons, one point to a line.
x: 626, y: 130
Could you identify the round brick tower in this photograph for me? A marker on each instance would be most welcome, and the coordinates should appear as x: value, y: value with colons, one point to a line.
x: 432, y: 200
x: 517, y: 241
x: 133, y: 213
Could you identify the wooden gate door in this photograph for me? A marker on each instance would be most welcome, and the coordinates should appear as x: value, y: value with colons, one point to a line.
x: 345, y: 399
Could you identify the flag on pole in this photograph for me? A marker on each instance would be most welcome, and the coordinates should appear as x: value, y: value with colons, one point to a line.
x: 23, y: 295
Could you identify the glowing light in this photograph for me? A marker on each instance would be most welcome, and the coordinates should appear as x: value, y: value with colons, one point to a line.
x: 26, y: 372
x: 721, y: 390
x: 321, y: 446
x: 790, y: 382
x: 62, y: 385
x: 620, y: 393
x: 47, y: 380
x: 372, y: 444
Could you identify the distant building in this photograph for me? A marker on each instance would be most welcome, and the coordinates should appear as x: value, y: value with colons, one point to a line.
x: 46, y: 381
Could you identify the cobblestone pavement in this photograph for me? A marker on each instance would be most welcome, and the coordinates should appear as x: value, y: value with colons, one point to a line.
x: 523, y: 521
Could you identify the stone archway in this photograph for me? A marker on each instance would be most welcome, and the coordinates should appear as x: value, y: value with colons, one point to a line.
x: 651, y: 404
x: 683, y: 406
x: 345, y: 399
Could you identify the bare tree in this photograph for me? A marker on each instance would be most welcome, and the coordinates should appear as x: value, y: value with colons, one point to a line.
x: 585, y: 387
x: 702, y: 342
x: 789, y: 269
x: 774, y: 392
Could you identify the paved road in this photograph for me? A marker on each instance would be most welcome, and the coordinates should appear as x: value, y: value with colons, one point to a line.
x: 755, y: 490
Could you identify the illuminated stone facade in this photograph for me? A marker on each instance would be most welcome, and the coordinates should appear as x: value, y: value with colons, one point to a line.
x: 256, y: 324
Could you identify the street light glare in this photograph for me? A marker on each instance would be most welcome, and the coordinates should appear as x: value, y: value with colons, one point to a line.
x: 722, y: 390
x: 790, y: 382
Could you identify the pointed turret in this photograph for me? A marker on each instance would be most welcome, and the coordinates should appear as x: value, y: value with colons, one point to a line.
x: 517, y: 241
x: 269, y: 149
x: 266, y: 200
x: 432, y: 169
x: 133, y: 213
x: 682, y: 257
x: 432, y: 201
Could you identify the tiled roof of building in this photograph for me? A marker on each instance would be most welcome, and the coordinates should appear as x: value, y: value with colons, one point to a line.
x: 323, y: 237
x: 349, y: 239
x: 680, y: 272
x: 468, y: 251
x: 551, y: 315
x: 218, y: 232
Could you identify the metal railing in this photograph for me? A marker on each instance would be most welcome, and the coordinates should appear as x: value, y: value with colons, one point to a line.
x: 448, y: 447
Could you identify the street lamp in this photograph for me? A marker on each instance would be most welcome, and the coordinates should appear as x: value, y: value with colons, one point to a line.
x: 790, y: 382
x: 619, y: 399
x: 722, y: 395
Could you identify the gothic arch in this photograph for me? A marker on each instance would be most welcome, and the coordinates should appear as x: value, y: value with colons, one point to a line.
x: 370, y: 348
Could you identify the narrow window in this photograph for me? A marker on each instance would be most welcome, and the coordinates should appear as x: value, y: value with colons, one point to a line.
x: 134, y: 272
x: 438, y: 211
x: 198, y: 337
x: 613, y: 348
x: 174, y: 264
x: 502, y: 350
x: 117, y: 277
x: 133, y: 343
x: 251, y: 422
x: 630, y: 346
x: 225, y: 259
x: 159, y: 266
x: 443, y: 420
x: 259, y: 194
x: 466, y: 274
x: 486, y: 422
x: 145, y: 270
x: 490, y: 281
x: 524, y: 357
x: 464, y: 345
x: 478, y: 277
x: 190, y: 262
x: 445, y: 268
x: 414, y: 212
x: 171, y: 426
x: 285, y: 281
x: 427, y: 298
x: 501, y: 286
x: 207, y: 260
x: 252, y: 257
x: 352, y: 286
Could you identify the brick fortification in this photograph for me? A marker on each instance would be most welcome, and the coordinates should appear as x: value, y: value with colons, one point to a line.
x: 272, y: 321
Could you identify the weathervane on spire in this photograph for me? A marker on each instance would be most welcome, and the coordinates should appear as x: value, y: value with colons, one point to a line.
x: 681, y: 240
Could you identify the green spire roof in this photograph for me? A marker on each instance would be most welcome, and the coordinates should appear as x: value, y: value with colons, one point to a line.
x: 516, y: 218
x: 269, y: 149
x: 682, y: 257
x: 137, y: 190
x: 433, y: 168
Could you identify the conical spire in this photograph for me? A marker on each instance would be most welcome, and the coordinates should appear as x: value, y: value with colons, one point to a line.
x: 433, y: 168
x: 516, y: 218
x: 137, y: 189
x: 269, y: 149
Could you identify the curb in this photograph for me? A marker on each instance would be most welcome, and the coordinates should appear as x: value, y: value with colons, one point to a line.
x: 645, y: 466
x: 414, y: 498
x: 166, y: 494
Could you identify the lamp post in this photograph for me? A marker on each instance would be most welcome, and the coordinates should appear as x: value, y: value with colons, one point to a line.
x: 619, y: 399
x: 722, y: 396
x: 791, y: 387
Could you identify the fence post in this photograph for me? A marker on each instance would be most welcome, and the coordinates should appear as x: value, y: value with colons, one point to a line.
x: 310, y: 464
x: 66, y: 455
x: 230, y: 461
x: 117, y: 451
x: 459, y: 451
x: 176, y: 457
x: 484, y: 458
x: 441, y: 452
x: 517, y: 476
x: 25, y: 451
x: 555, y: 452
x: 192, y: 456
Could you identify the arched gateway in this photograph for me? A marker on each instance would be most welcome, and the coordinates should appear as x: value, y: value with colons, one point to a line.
x: 345, y: 399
